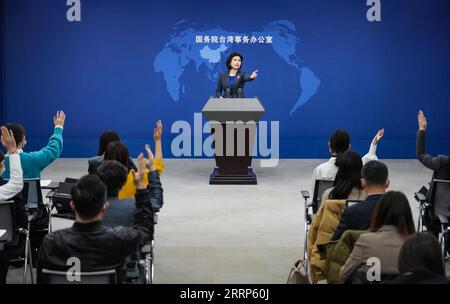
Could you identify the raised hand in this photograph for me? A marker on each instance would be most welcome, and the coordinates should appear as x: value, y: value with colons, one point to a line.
x: 254, y: 75
x: 138, y: 177
x: 378, y: 137
x: 8, y: 140
x: 422, y: 120
x: 59, y: 119
x: 157, y: 132
x: 151, y: 158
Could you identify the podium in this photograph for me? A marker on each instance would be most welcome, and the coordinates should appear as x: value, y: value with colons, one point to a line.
x: 233, y: 124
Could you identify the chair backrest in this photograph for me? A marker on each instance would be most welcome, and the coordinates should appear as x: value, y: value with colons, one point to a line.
x: 65, y: 188
x: 440, y: 199
x: 97, y: 277
x: 7, y: 222
x: 71, y: 180
x: 32, y: 193
x: 319, y: 188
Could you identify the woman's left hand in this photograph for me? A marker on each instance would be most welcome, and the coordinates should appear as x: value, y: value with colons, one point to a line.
x: 254, y: 75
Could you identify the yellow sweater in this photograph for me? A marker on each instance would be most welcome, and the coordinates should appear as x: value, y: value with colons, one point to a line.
x: 129, y: 189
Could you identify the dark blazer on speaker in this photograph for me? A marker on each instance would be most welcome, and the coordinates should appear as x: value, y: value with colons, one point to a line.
x: 223, y: 84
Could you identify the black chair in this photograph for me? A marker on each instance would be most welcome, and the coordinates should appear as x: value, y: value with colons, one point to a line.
x: 423, y: 204
x: 11, y: 239
x: 312, y: 206
x: 71, y: 180
x: 147, y: 252
x: 440, y: 200
x: 32, y: 195
x: 61, y: 200
x: 63, y: 277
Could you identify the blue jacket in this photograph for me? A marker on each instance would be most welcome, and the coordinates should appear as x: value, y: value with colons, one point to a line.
x: 34, y: 162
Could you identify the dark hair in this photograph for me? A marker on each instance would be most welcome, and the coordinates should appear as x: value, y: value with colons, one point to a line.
x: 421, y: 252
x: 118, y: 151
x: 339, y: 141
x: 106, y: 138
x: 2, y: 156
x: 232, y: 55
x: 89, y: 196
x: 393, y: 209
x: 375, y: 173
x: 114, y: 175
x: 18, y: 130
x: 348, y: 176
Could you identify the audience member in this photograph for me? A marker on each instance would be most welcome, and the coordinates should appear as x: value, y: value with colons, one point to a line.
x: 34, y: 162
x: 347, y: 184
x: 338, y: 144
x: 374, y: 182
x: 96, y: 246
x: 441, y: 170
x: 13, y: 187
x: 391, y: 224
x: 9, y: 189
x: 119, y: 152
x: 121, y: 211
x: 420, y: 261
x: 106, y: 138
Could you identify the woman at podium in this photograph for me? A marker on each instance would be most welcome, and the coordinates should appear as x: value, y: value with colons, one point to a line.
x: 231, y: 83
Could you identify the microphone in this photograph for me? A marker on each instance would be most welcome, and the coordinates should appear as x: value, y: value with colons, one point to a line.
x: 239, y: 92
x: 228, y: 92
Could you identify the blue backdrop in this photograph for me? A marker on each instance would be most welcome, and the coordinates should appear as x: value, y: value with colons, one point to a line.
x: 321, y: 65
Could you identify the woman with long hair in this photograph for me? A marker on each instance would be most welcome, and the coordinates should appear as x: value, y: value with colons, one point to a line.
x: 392, y: 223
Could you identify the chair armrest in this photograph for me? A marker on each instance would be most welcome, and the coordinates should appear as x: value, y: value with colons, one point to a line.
x: 305, y: 194
x: 146, y: 249
x: 50, y: 194
x: 420, y: 197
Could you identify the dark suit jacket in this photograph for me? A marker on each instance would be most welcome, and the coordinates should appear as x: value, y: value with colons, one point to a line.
x: 357, y: 217
x: 223, y: 84
x: 439, y: 164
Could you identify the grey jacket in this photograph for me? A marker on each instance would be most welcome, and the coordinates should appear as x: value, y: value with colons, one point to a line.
x: 385, y: 244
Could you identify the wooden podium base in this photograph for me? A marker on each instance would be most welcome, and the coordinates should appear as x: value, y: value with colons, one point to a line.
x: 217, y: 179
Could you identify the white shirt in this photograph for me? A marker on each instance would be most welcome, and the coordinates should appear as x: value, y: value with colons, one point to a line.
x: 15, y: 183
x: 328, y: 170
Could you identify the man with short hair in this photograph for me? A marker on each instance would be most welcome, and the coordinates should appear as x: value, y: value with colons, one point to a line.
x: 121, y: 211
x: 34, y: 162
x: 98, y: 247
x: 374, y: 182
x: 32, y: 165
